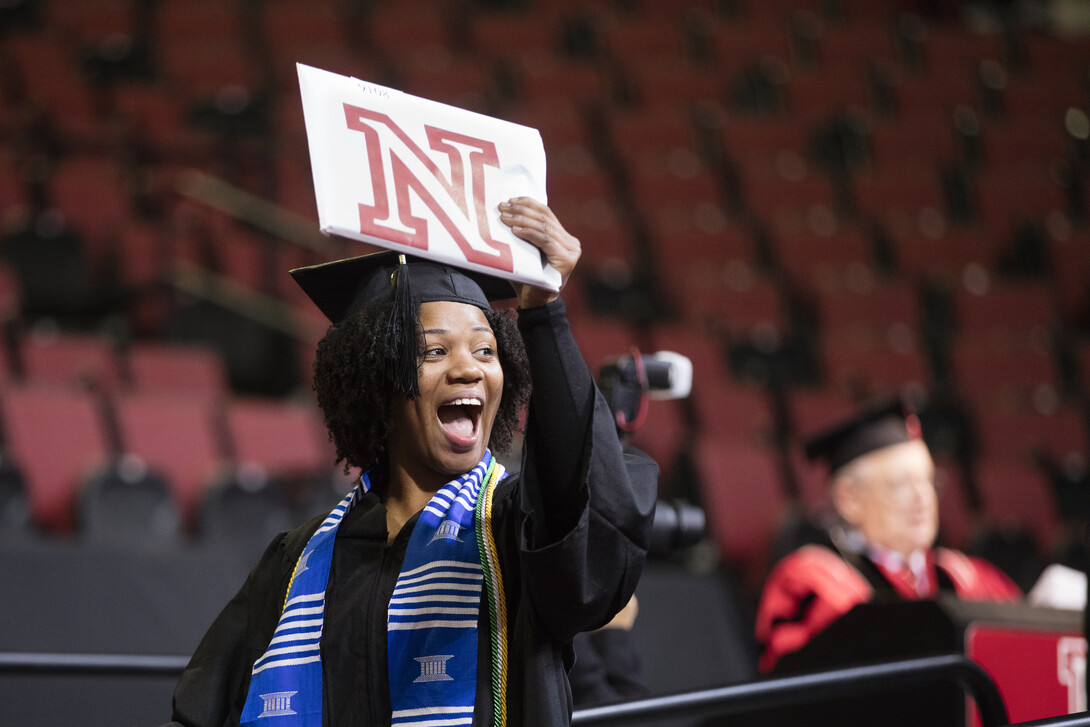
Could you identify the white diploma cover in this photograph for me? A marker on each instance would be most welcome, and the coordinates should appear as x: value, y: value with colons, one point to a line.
x: 421, y: 177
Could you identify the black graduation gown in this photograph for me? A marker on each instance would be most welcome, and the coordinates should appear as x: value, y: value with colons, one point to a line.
x: 571, y: 530
x: 607, y: 668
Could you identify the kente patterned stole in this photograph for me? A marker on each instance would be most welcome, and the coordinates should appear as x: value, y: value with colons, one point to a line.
x: 432, y: 618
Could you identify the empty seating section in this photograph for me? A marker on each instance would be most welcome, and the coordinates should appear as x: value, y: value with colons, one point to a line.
x: 819, y: 203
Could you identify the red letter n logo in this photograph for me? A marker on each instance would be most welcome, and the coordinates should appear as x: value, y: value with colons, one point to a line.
x: 457, y: 202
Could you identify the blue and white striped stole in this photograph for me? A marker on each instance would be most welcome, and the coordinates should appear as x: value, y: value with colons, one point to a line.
x: 286, y: 682
x: 432, y: 619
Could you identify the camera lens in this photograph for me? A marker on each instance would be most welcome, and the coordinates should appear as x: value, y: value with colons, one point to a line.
x: 677, y: 525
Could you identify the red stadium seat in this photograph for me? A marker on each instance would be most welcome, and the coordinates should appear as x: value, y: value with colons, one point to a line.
x: 440, y: 76
x: 1015, y: 376
x: 827, y: 91
x: 1017, y: 495
x: 90, y: 191
x: 917, y: 137
x: 704, y: 348
x: 813, y: 411
x: 178, y: 368
x: 309, y: 22
x: 510, y: 35
x: 897, y: 188
x: 660, y: 130
x: 856, y: 43
x: 547, y: 79
x: 284, y: 438
x: 877, y: 308
x: 198, y: 19
x: 950, y: 49
x: 742, y: 42
x: 665, y: 83
x: 1048, y: 52
x: 176, y: 435
x: 597, y: 225
x: 775, y: 197
x: 204, y: 65
x: 705, y: 234
x: 1009, y: 313
x: 1071, y: 275
x: 11, y: 301
x: 644, y: 37
x: 395, y: 27
x: 13, y: 188
x: 561, y: 126
x: 1026, y: 433
x: 90, y: 22
x: 56, y: 435
x: 159, y: 119
x: 742, y: 493
x: 1007, y: 198
x: 871, y: 366
x: 729, y: 293
x: 945, y: 256
x: 70, y: 359
x: 824, y: 260
x: 329, y: 56
x: 759, y: 141
x: 729, y: 412
x: 49, y: 68
x: 579, y: 180
x: 941, y: 90
x: 601, y: 339
x: 1033, y: 114
x: 656, y: 186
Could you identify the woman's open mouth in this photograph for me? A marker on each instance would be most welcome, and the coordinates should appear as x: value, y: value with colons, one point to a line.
x: 460, y: 420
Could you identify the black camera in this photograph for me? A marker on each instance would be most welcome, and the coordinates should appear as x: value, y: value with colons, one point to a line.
x: 677, y: 525
x: 628, y: 382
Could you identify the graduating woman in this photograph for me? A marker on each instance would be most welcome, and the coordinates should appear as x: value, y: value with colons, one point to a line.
x: 440, y: 591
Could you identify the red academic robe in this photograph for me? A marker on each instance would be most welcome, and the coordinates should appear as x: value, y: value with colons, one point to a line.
x: 814, y: 586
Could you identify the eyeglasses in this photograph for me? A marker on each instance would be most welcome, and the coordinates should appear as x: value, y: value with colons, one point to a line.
x: 901, y: 489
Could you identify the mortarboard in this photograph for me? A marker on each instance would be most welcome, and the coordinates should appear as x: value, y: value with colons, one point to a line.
x: 342, y: 288
x: 890, y: 423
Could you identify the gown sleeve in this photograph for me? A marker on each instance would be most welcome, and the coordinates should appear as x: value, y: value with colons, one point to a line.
x: 586, y: 505
x: 607, y: 668
x: 806, y: 592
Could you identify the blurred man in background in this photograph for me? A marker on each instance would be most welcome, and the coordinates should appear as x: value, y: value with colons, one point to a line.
x: 882, y: 487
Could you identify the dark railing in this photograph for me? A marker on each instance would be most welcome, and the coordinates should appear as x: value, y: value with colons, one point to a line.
x: 114, y: 665
x: 732, y: 699
x: 803, y: 688
x: 1081, y: 719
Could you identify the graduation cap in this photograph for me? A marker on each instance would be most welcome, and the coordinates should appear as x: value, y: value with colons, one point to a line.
x: 342, y: 288
x: 890, y: 423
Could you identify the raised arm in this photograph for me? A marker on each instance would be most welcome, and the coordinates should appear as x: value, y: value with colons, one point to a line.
x: 587, y: 505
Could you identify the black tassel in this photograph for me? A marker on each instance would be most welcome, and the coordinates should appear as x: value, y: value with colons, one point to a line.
x: 401, y: 336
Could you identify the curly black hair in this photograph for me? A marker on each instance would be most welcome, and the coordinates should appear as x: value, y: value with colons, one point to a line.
x: 356, y: 397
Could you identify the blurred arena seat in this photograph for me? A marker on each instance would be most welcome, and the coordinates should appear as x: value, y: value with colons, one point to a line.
x: 175, y: 433
x: 55, y: 434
